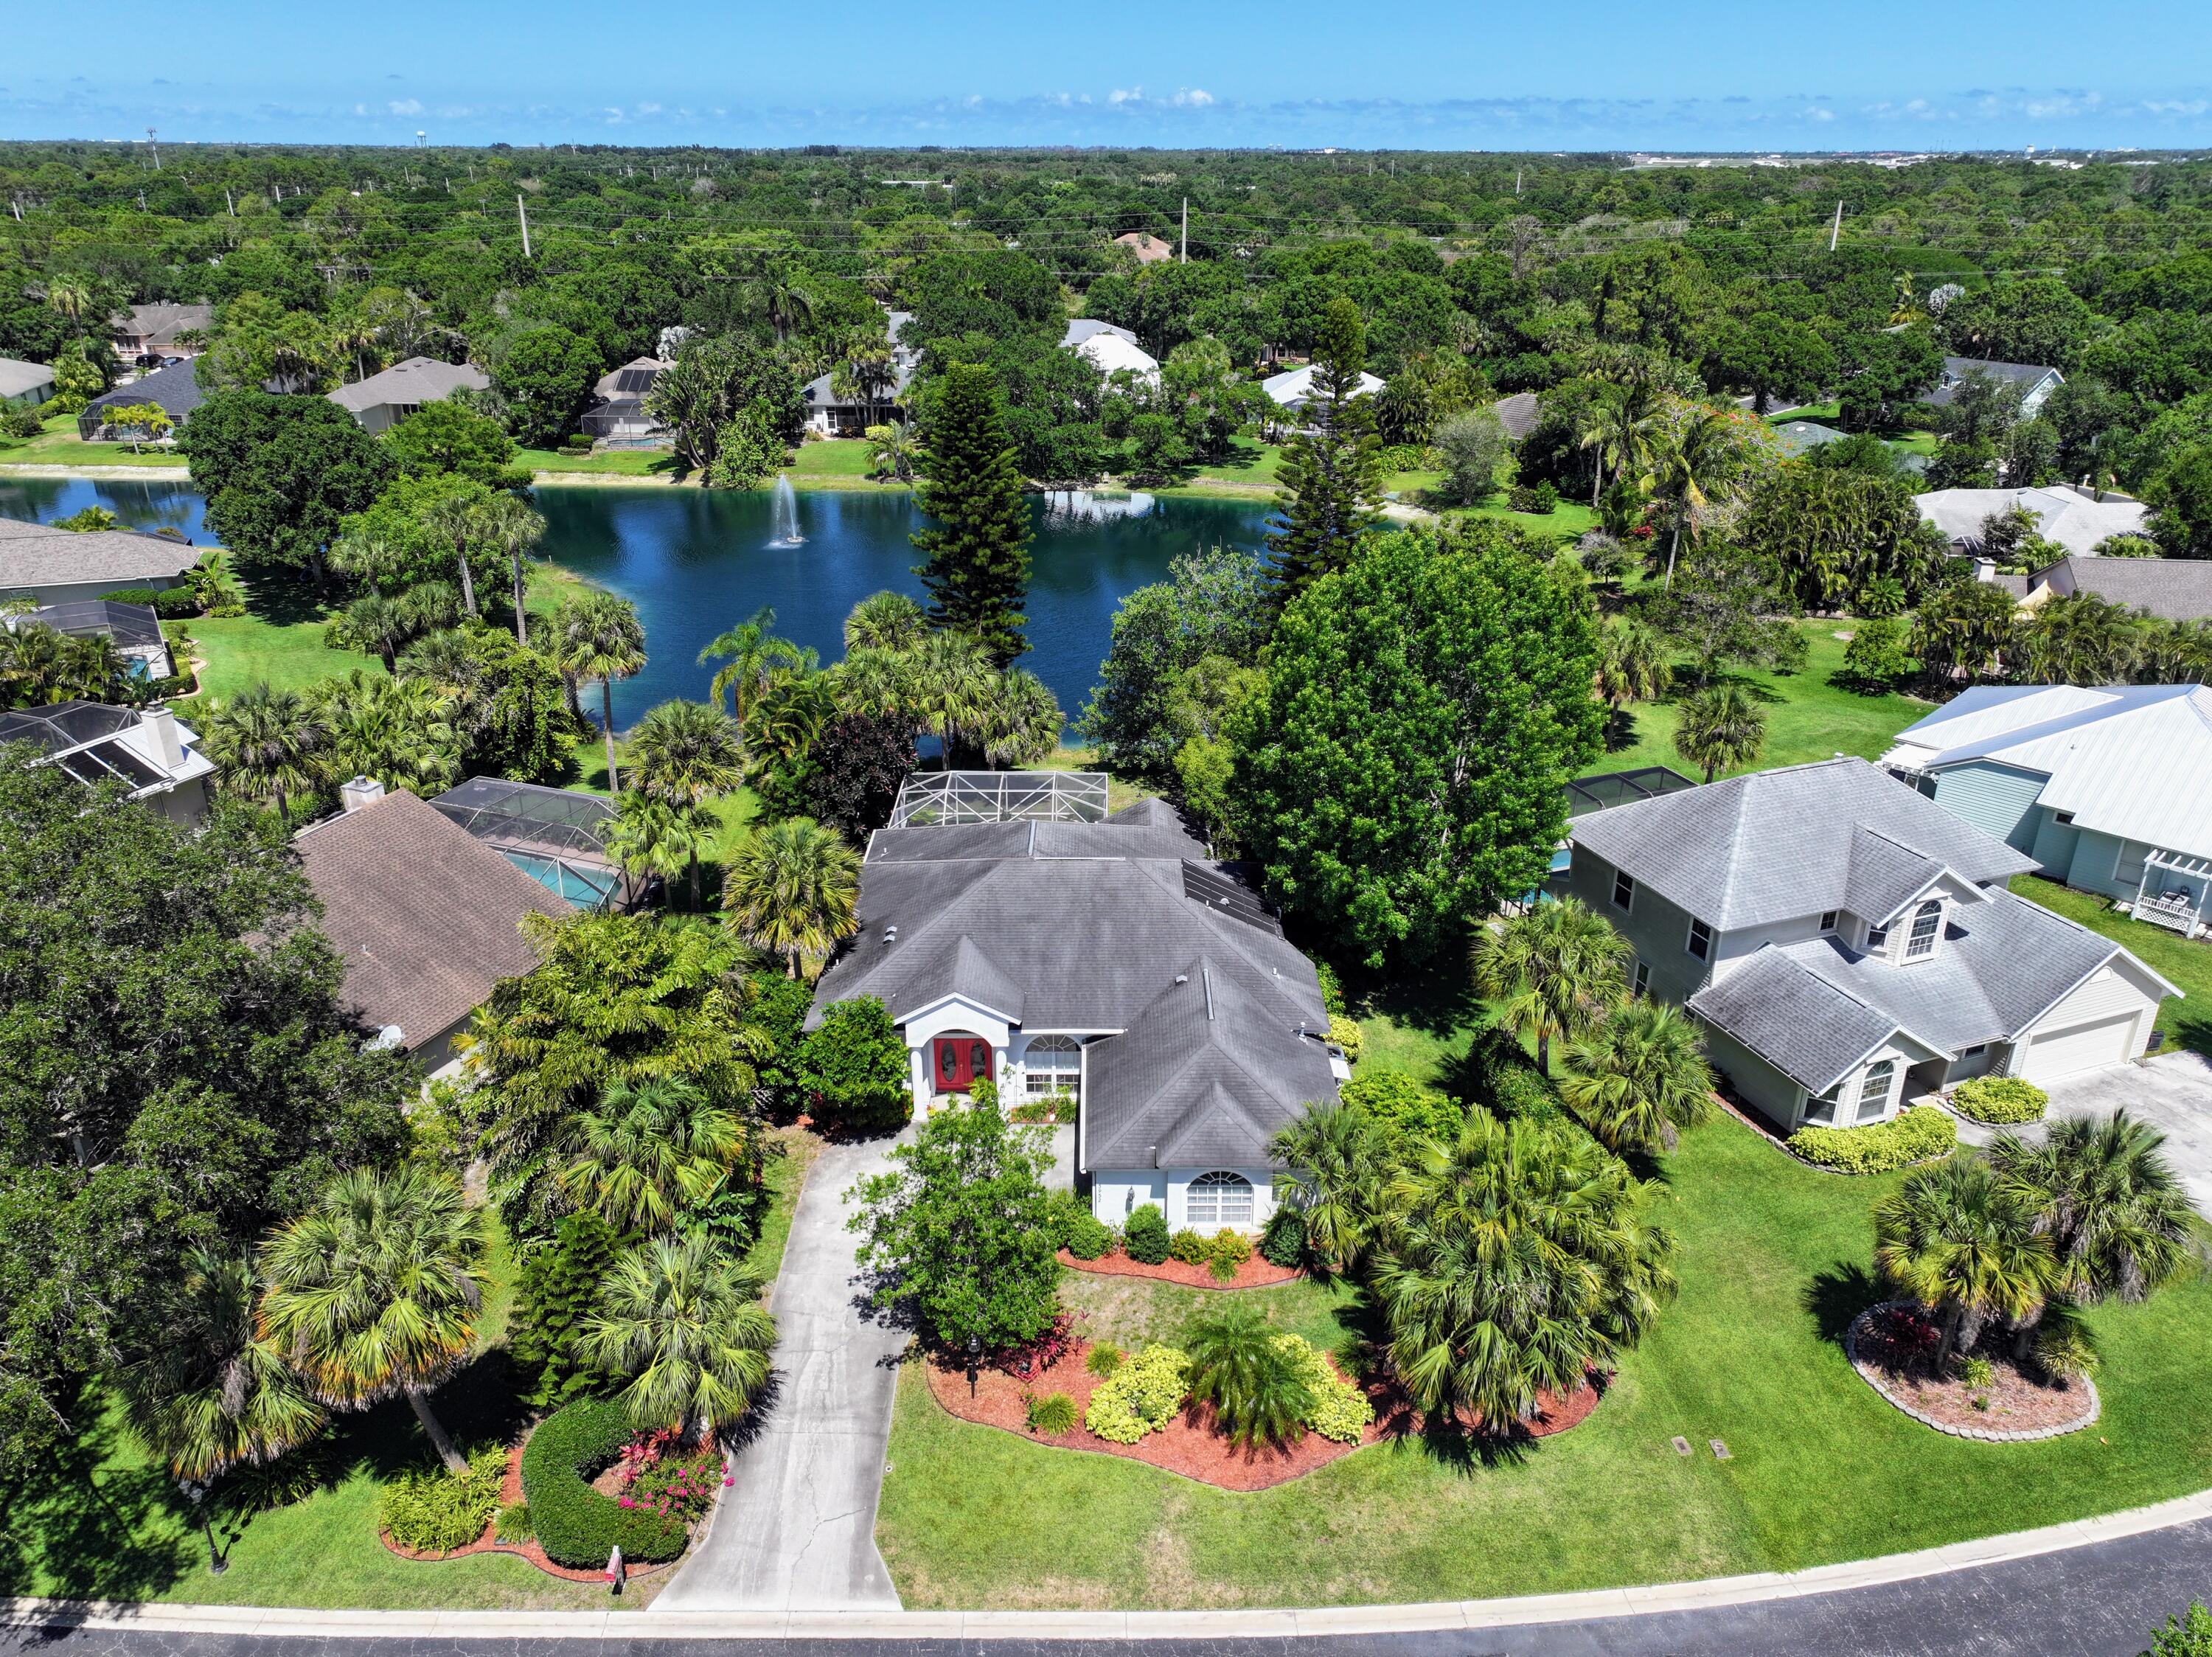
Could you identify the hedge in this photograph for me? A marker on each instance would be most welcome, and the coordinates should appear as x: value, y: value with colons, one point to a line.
x: 575, y: 1525
x: 2000, y: 1099
x: 1913, y: 1136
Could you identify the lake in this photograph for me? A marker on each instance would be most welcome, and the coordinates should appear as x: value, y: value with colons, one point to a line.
x: 695, y: 562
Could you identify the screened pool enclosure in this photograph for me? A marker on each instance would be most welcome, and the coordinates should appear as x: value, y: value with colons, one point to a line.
x: 555, y: 837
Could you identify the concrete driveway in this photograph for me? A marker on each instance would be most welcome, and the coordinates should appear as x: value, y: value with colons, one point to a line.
x: 797, y: 1531
x: 2173, y: 1093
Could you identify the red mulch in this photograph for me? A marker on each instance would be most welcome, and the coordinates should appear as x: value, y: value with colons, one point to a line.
x: 510, y: 1492
x: 1188, y: 1445
x: 1254, y: 1273
x: 2019, y: 1401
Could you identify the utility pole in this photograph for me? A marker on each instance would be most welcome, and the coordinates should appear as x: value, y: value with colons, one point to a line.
x: 229, y: 205
x: 1836, y: 228
x: 1185, y: 259
x: 157, y: 148
x: 524, y: 216
x: 1517, y: 184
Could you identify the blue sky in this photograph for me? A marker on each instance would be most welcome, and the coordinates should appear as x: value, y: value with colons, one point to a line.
x: 1572, y: 74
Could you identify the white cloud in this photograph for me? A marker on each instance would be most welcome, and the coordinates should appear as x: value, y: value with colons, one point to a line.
x: 405, y: 107
x: 1192, y: 98
x: 1118, y: 96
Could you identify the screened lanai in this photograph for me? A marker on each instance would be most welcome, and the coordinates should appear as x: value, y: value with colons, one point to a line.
x: 555, y: 835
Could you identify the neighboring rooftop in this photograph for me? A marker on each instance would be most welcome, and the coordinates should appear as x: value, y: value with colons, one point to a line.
x: 1090, y: 328
x: 1293, y: 387
x: 93, y: 742
x: 21, y: 379
x: 1519, y: 413
x: 175, y: 390
x: 2172, y: 590
x: 158, y: 325
x: 410, y: 384
x: 1148, y: 247
x: 2076, y: 519
x: 632, y: 379
x: 2025, y: 375
x: 34, y: 556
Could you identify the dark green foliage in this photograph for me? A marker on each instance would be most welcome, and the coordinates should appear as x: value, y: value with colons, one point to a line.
x: 557, y: 1288
x: 279, y: 473
x: 1517, y: 1090
x: 853, y: 1070
x: 1212, y: 605
x: 1074, y: 1229
x: 1404, y: 770
x: 977, y: 543
x: 776, y: 1005
x: 2180, y: 496
x: 1144, y: 1235
x: 511, y: 710
x: 1876, y: 659
x: 1052, y: 1415
x: 2187, y: 1635
x: 447, y: 436
x: 544, y: 376
x: 575, y: 1524
x: 1331, y: 470
x: 853, y: 772
x: 1240, y: 1368
x: 1832, y: 532
x: 1284, y: 1241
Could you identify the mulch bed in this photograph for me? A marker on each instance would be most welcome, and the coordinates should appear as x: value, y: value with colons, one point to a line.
x: 2021, y: 1403
x: 510, y: 1492
x: 1254, y: 1273
x: 1188, y: 1445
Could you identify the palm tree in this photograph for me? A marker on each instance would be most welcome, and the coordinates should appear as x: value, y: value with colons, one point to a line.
x: 457, y: 520
x: 374, y: 1290
x: 893, y: 449
x: 1632, y: 663
x: 754, y: 661
x: 272, y: 746
x: 687, y: 753
x: 1553, y: 967
x: 1020, y: 722
x: 950, y: 682
x: 886, y: 621
x: 863, y: 374
x: 398, y: 730
x: 72, y: 296
x: 793, y: 888
x: 1241, y: 1366
x: 1639, y: 1076
x: 2081, y: 640
x: 639, y: 1154
x: 686, y: 1323
x: 653, y: 836
x: 1963, y: 1242
x: 212, y: 1394
x: 508, y: 524
x: 1721, y: 726
x: 878, y: 682
x: 2108, y: 1200
x: 1333, y: 1162
x: 1514, y: 1261
x: 1705, y: 456
x: 601, y: 638
x: 374, y: 622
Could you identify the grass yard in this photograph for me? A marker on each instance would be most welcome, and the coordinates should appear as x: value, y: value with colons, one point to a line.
x: 1773, y: 1261
x: 551, y: 465
x: 243, y: 650
x: 2185, y: 1022
x: 58, y: 445
x: 1808, y: 716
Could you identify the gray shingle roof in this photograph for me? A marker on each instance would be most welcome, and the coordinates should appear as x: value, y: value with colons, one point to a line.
x: 34, y: 556
x: 1805, y: 1026
x: 19, y: 378
x: 417, y: 380
x: 2025, y: 375
x: 1519, y: 414
x: 2172, y: 589
x: 175, y: 390
x: 1883, y: 875
x: 1776, y: 845
x: 160, y: 325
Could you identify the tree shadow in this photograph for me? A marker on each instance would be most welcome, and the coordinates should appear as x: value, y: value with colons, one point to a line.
x: 1620, y: 730
x: 1838, y: 1294
x: 85, y: 1527
x: 1437, y: 999
x: 281, y: 602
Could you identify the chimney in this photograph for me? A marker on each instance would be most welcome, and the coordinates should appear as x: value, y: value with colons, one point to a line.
x: 362, y: 791
x: 162, y: 721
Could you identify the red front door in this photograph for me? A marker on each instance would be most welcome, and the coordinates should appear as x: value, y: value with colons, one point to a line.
x: 959, y: 1062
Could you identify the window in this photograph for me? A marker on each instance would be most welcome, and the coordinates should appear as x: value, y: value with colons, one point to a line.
x: 1217, y: 1199
x: 1927, y: 922
x: 1643, y: 977
x: 1051, y: 1065
x: 1624, y: 891
x: 1821, y: 1108
x: 1828, y: 920
x: 1976, y: 1051
x: 1874, y: 1090
x: 1877, y: 936
x: 1701, y: 940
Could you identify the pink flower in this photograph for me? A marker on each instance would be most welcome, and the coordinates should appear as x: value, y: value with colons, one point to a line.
x: 629, y: 1502
x: 727, y: 1481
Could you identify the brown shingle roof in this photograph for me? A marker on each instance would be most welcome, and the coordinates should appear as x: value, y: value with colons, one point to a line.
x: 425, y: 917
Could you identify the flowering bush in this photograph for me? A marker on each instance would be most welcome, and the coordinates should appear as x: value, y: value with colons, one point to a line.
x: 1140, y: 1396
x: 2000, y: 1099
x: 661, y: 1476
x: 1225, y: 1251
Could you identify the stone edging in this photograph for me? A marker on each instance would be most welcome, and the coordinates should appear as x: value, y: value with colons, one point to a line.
x: 1866, y: 1373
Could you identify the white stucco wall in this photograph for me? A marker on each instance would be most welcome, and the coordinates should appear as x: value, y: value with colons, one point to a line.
x: 1115, y: 1191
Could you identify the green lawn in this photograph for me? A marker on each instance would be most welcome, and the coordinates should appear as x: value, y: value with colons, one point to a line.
x: 1808, y: 716
x: 1772, y: 1258
x: 58, y: 445
x: 551, y: 464
x: 2187, y: 963
x: 243, y: 650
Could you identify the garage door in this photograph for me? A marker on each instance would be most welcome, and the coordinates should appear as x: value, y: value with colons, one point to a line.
x: 2080, y: 1047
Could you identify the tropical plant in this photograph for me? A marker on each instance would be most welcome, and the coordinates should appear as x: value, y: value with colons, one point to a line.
x: 1554, y: 965
x: 2108, y: 1199
x: 886, y: 621
x: 271, y: 746
x: 507, y: 523
x: 1639, y: 1074
x: 793, y: 888
x: 652, y: 835
x: 399, y: 731
x: 376, y: 1290
x: 2081, y: 640
x: 1143, y: 1395
x: 892, y: 450
x: 1332, y: 1159
x: 687, y: 753
x: 1239, y: 1368
x: 2000, y: 1098
x: 641, y: 1154
x: 1699, y: 462
x: 1052, y: 1416
x: 852, y: 1069
x: 599, y: 636
x: 1634, y: 663
x: 1019, y: 721
x: 754, y: 661
x: 1721, y: 727
x: 686, y: 1324
x: 1963, y: 1242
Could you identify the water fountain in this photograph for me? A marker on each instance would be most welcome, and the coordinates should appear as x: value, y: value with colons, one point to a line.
x: 783, y: 518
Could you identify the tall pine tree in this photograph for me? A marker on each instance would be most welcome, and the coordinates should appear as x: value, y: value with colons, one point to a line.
x: 1332, y: 467
x: 977, y: 541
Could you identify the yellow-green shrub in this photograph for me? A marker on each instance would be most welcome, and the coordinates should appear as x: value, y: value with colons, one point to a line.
x: 1345, y: 1032
x: 1912, y: 1136
x: 2000, y: 1099
x: 1142, y: 1396
x: 1339, y: 1411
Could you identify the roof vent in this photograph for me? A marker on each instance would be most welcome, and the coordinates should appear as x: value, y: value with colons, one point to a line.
x: 362, y: 791
x: 1182, y: 977
x: 890, y: 934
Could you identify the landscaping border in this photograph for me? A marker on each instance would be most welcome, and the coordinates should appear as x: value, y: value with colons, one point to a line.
x: 1867, y: 1373
x: 1750, y: 1119
x: 510, y: 1492
x: 1252, y: 1273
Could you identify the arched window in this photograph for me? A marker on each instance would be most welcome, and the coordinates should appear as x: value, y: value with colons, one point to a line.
x: 1052, y: 1065
x: 1218, y: 1199
x: 1927, y: 922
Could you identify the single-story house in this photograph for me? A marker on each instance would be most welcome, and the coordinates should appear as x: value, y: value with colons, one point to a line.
x: 24, y: 385
x: 618, y: 401
x: 1148, y: 248
x: 175, y: 390
x: 2170, y: 589
x: 1292, y: 389
x: 149, y: 751
x: 424, y: 916
x: 146, y: 335
x: 833, y: 416
x: 2036, y: 380
x: 558, y: 836
x: 2107, y: 788
x: 1015, y: 931
x: 1519, y: 414
x: 1848, y: 944
x: 2074, y: 517
x: 383, y: 400
x: 1110, y: 349
x: 56, y: 566
x: 134, y: 629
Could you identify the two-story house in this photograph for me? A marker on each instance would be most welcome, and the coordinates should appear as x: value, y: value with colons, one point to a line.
x: 1849, y: 945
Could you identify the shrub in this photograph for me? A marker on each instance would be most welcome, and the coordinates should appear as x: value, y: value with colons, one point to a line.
x: 1225, y: 1251
x: 660, y: 1475
x: 133, y: 595
x: 513, y: 1523
x: 1105, y: 1358
x: 1402, y: 1108
x: 1517, y: 1091
x: 22, y: 423
x: 1047, y: 1348
x: 576, y: 1525
x: 1345, y: 1033
x: 1914, y: 1135
x: 1332, y: 988
x: 1088, y: 1237
x: 1541, y: 498
x: 1188, y: 1246
x: 1283, y: 1242
x: 2184, y: 1636
x: 2000, y: 1099
x: 433, y: 1510
x: 854, y: 1068
x: 1978, y: 1373
x: 1141, y: 1397
x: 1145, y: 1237
x: 1052, y: 1415
x: 1338, y: 1410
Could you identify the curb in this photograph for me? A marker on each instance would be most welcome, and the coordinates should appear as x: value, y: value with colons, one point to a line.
x: 1982, y: 1435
